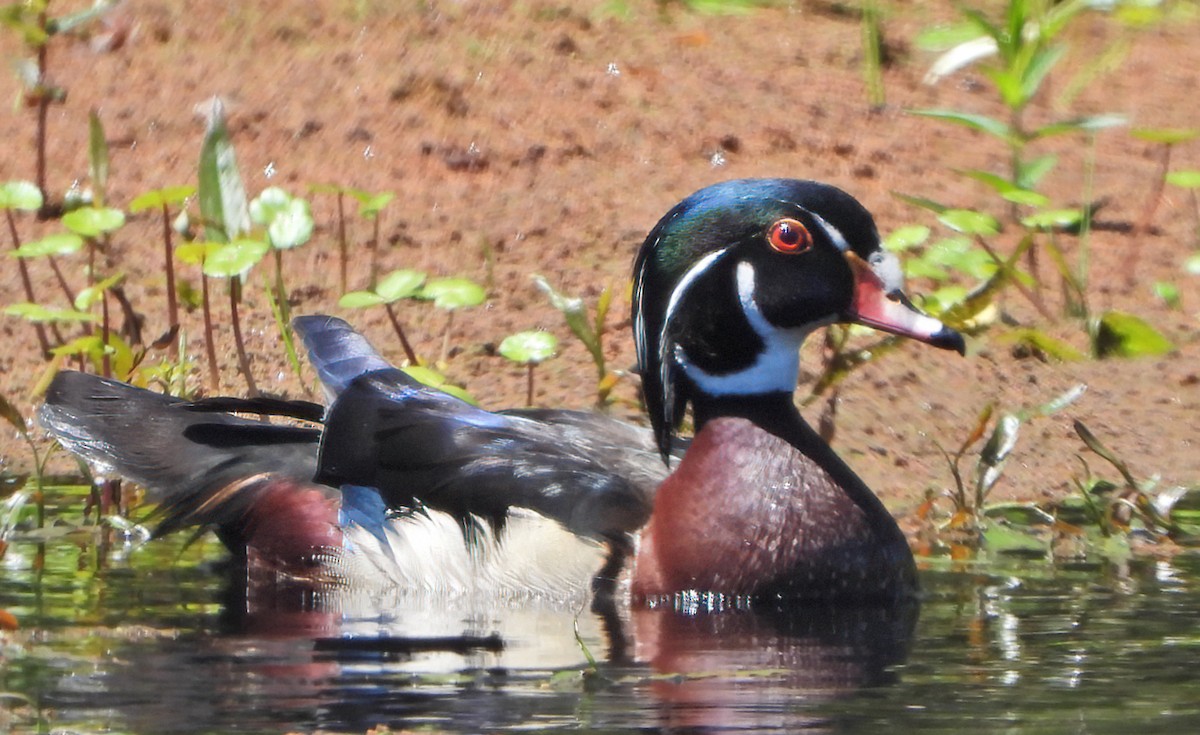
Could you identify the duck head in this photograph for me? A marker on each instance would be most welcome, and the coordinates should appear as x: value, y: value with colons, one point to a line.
x: 729, y: 283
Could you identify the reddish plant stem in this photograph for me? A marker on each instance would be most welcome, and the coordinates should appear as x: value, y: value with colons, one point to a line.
x: 343, y: 247
x: 27, y: 283
x: 105, y: 359
x: 209, y: 346
x: 1142, y: 228
x: 408, y: 348
x: 168, y: 261
x: 235, y: 295
x: 529, y: 385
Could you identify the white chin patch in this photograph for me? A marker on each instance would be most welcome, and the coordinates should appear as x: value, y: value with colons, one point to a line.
x: 888, y: 269
x: 777, y: 367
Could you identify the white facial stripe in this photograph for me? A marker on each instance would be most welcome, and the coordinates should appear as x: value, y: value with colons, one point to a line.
x: 887, y: 267
x: 839, y: 240
x: 777, y: 367
x: 684, y: 284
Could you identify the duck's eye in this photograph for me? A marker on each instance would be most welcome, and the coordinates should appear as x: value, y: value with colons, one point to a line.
x: 789, y: 236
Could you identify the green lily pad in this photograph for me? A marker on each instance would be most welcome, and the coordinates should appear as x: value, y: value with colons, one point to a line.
x: 63, y: 243
x: 93, y: 221
x: 533, y: 346
x: 20, y: 195
x: 267, y: 205
x: 1117, y: 334
x: 453, y: 293
x: 195, y: 253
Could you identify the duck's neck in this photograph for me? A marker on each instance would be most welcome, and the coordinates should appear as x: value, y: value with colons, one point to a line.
x: 761, y: 506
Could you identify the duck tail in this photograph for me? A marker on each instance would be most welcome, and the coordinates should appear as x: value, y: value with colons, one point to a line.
x: 244, y: 477
x: 337, y: 352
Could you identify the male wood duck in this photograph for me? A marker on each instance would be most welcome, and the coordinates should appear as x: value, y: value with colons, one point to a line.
x: 726, y: 287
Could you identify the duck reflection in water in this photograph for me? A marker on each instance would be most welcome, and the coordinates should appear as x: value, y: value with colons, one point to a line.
x: 397, y: 493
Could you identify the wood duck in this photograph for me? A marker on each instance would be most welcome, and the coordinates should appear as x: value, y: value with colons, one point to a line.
x: 726, y: 287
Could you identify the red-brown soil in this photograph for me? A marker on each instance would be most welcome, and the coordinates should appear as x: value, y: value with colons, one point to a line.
x: 553, y: 136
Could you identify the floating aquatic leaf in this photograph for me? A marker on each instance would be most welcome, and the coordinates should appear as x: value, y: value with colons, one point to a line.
x: 62, y: 243
x: 20, y: 195
x: 93, y: 221
x: 1117, y: 334
x: 1002, y: 538
x: 453, y: 293
x: 529, y: 347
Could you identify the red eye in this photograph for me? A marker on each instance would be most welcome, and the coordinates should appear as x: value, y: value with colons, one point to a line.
x: 789, y: 236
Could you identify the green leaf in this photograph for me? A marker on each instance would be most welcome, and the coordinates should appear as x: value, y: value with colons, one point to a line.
x: 90, y: 295
x: 268, y: 205
x: 1189, y: 179
x: 195, y: 253
x: 1117, y: 334
x: 93, y: 221
x: 922, y: 202
x: 360, y: 300
x: 62, y: 243
x: 159, y: 197
x: 453, y: 293
x: 940, y: 38
x: 1035, y: 73
x: 223, y: 205
x: 370, y: 206
x: 1031, y: 173
x: 291, y: 227
x: 1192, y: 264
x: 41, y: 314
x: 982, y: 123
x: 1043, y: 343
x: 1168, y: 292
x: 20, y: 195
x: 1089, y: 124
x: 1166, y: 136
x: 906, y: 238
x: 235, y: 259
x: 1007, y: 189
x: 1002, y: 538
x: 529, y: 347
x: 1053, y: 219
x: 970, y: 222
x: 434, y: 379
x: 575, y: 314
x: 97, y: 156
x: 400, y: 284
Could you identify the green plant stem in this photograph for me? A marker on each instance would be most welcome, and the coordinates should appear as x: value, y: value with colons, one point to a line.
x: 280, y: 291
x: 408, y: 348
x: 27, y: 282
x: 235, y: 295
x: 105, y: 358
x: 209, y: 346
x: 169, y: 264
